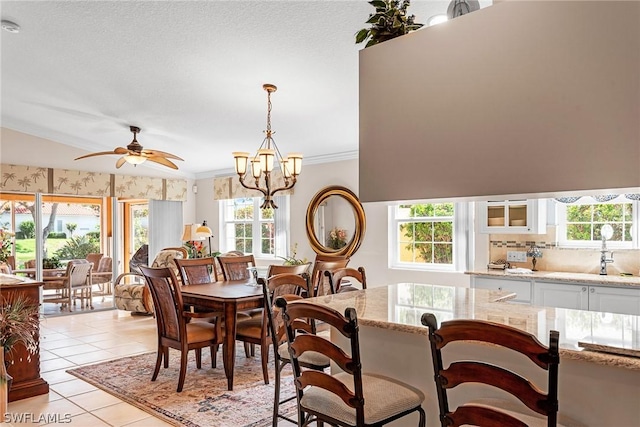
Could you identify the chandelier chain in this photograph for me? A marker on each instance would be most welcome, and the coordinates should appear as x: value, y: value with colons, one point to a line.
x: 268, y: 131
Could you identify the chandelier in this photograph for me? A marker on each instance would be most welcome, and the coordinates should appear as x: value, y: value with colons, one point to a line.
x: 263, y: 163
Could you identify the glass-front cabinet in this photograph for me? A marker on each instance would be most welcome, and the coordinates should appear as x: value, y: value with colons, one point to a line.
x: 512, y: 216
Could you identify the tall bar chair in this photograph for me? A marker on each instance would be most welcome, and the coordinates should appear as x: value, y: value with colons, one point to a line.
x: 349, y: 398
x: 538, y: 409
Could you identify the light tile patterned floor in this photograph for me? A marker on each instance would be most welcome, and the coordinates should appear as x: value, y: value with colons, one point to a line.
x: 86, y: 338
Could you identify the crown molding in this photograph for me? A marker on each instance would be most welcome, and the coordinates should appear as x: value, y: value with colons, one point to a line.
x: 314, y: 160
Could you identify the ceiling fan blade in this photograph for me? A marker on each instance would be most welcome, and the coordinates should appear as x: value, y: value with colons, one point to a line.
x: 121, y: 161
x: 161, y: 154
x: 162, y: 161
x: 121, y: 150
x: 101, y: 153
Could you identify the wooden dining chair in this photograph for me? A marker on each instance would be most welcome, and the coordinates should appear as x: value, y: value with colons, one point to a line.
x: 255, y: 331
x: 336, y: 278
x: 348, y: 398
x: 174, y: 331
x: 493, y: 412
x: 292, y: 287
x: 319, y: 281
x: 195, y: 271
x: 236, y: 267
x: 276, y: 269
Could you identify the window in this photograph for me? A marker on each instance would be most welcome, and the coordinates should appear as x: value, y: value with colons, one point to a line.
x: 249, y: 229
x: 423, y: 235
x: 580, y: 222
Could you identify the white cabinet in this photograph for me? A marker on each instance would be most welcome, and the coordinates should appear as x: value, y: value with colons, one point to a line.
x: 562, y: 295
x: 614, y: 300
x: 513, y: 216
x: 522, y: 287
x: 581, y: 296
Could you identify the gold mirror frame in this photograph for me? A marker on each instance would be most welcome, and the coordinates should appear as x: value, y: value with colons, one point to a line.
x: 359, y: 217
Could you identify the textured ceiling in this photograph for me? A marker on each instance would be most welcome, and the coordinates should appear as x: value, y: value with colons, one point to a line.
x: 189, y: 74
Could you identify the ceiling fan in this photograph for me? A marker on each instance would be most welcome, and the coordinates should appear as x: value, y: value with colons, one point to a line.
x: 135, y: 154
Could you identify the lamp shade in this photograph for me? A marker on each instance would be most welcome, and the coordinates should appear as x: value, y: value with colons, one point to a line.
x: 191, y: 233
x: 204, y: 231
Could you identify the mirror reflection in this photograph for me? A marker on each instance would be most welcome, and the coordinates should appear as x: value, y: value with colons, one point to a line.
x: 335, y: 222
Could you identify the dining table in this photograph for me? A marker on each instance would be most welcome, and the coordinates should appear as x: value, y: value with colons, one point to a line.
x: 227, y: 297
x: 47, y: 273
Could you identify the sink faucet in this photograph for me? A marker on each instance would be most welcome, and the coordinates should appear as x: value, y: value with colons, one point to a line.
x: 606, y: 233
x: 604, y: 261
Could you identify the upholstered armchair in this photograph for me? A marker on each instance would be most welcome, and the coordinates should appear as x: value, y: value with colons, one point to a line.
x: 130, y: 292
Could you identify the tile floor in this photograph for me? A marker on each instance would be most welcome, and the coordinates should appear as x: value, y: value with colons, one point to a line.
x: 86, y: 338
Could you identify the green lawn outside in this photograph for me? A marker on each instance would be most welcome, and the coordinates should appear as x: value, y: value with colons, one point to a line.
x: 26, y: 249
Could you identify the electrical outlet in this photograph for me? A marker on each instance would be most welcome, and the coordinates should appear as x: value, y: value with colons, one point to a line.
x: 516, y: 256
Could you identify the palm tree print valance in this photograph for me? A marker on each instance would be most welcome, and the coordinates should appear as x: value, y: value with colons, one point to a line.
x: 32, y: 179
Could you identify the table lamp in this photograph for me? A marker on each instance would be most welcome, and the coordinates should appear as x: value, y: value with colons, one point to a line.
x: 534, y: 252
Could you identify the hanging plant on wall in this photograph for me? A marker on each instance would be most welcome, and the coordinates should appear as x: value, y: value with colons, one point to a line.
x: 389, y: 21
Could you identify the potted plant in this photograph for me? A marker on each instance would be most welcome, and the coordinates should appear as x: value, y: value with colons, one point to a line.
x: 19, y: 324
x: 51, y: 263
x: 292, y: 259
x: 389, y: 21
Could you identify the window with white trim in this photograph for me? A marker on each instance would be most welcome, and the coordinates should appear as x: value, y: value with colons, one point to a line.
x: 249, y: 229
x: 580, y: 222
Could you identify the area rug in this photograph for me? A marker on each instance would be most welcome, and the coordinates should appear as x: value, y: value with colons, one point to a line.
x: 204, y: 400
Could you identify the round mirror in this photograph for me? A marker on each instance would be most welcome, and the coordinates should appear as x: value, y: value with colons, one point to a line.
x: 335, y: 222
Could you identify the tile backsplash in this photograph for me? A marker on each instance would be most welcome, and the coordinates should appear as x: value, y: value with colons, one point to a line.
x: 575, y: 260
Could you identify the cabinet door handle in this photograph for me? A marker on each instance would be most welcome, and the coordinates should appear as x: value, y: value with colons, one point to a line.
x: 499, y: 288
x: 584, y: 289
x: 593, y: 291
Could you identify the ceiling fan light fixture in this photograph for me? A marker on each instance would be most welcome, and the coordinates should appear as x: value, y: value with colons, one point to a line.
x: 134, y: 160
x: 135, y: 154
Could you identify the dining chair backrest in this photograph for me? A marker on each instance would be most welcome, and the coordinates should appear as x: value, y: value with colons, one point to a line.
x: 95, y: 259
x: 167, y: 301
x: 11, y: 262
x: 105, y: 265
x: 275, y: 269
x: 320, y: 282
x: 291, y: 287
x: 78, y: 272
x: 336, y: 279
x: 236, y: 267
x: 301, y: 342
x: 470, y: 371
x: 195, y: 271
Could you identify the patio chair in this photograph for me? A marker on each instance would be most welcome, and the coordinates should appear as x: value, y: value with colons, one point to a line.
x: 77, y: 278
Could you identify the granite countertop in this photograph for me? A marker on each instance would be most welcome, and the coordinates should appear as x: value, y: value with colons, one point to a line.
x: 400, y: 306
x: 557, y: 276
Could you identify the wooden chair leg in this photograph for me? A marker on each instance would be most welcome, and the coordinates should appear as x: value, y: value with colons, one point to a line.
x: 264, y: 355
x: 199, y: 358
x: 183, y: 370
x: 247, y: 351
x: 166, y: 357
x: 214, y: 355
x: 158, y: 362
x: 276, y: 398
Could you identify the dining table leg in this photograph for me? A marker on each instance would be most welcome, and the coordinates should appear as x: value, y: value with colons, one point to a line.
x: 229, y: 346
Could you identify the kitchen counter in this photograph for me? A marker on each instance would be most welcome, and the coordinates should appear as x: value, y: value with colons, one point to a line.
x: 393, y: 342
x: 399, y: 307
x: 557, y: 276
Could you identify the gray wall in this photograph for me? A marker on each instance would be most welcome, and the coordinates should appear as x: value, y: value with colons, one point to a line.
x: 517, y: 98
